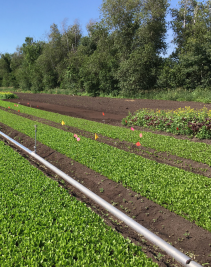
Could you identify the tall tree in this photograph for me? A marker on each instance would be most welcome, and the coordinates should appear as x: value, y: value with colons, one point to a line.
x: 191, y: 25
x: 26, y: 57
x: 5, y: 69
x: 139, y: 29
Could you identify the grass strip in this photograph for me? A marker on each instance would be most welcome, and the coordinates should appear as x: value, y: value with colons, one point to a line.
x: 199, y: 152
x: 182, y: 192
x: 42, y: 225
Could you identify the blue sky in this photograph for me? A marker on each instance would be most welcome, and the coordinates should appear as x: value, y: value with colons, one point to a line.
x: 30, y: 18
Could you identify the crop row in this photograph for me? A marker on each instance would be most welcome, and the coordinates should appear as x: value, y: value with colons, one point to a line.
x: 199, y: 152
x: 184, y: 121
x: 182, y: 192
x: 7, y: 95
x: 42, y: 225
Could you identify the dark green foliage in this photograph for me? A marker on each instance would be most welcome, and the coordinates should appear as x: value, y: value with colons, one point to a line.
x: 138, y: 29
x: 5, y: 70
x: 121, y: 54
x: 189, y: 66
x: 139, y: 72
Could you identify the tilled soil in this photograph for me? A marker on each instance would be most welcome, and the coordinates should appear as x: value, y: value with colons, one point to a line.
x: 182, y: 234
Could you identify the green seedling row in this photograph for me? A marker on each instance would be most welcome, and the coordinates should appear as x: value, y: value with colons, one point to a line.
x: 42, y: 225
x: 199, y: 152
x: 182, y: 192
x: 7, y: 95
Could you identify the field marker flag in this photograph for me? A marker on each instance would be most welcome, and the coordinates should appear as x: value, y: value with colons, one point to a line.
x: 138, y: 144
x: 75, y: 135
x: 132, y: 128
x: 96, y: 136
x: 63, y: 123
x: 140, y: 134
x: 103, y: 113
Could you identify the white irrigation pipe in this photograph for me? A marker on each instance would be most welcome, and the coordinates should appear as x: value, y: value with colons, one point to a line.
x: 170, y: 250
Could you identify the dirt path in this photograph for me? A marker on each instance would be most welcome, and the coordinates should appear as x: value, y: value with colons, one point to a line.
x: 91, y: 108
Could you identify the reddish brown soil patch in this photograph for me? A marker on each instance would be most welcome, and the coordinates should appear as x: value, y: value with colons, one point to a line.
x: 184, y: 235
x: 91, y: 108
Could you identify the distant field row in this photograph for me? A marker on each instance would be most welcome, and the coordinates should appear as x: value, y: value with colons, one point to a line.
x: 199, y: 152
x: 182, y: 192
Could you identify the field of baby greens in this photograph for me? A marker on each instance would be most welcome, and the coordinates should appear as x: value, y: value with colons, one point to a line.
x: 42, y: 225
x: 182, y: 192
x: 199, y: 152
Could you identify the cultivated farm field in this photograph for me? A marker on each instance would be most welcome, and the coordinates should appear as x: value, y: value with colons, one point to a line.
x: 160, y: 179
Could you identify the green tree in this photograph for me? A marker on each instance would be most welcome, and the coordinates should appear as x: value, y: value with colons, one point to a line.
x: 138, y: 28
x: 24, y: 61
x: 97, y: 71
x: 191, y: 24
x: 5, y: 69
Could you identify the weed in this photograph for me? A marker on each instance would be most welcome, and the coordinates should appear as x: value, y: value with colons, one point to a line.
x: 101, y: 190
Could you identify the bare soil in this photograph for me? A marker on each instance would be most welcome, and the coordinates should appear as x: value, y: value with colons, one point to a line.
x: 182, y: 234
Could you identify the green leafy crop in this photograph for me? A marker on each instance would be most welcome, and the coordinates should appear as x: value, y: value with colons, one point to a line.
x: 42, y: 225
x: 199, y: 152
x: 184, y: 121
x: 182, y: 192
x: 7, y: 95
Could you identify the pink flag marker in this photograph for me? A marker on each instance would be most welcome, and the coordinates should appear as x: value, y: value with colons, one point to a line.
x: 132, y: 128
x: 140, y: 134
x: 78, y: 139
x: 75, y: 135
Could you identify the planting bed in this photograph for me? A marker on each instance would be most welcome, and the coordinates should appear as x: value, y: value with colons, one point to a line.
x: 184, y: 235
x: 42, y: 225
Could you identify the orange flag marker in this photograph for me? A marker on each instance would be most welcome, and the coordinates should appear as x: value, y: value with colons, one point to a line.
x: 138, y: 144
x: 103, y: 113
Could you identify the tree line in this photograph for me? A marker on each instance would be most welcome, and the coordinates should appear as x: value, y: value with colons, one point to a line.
x: 122, y: 53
